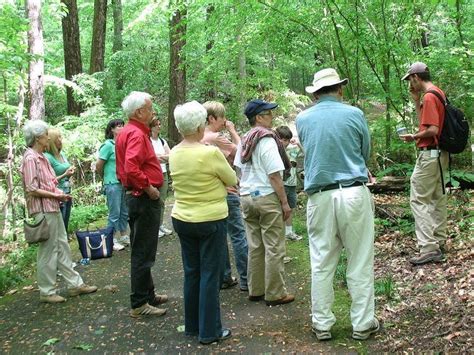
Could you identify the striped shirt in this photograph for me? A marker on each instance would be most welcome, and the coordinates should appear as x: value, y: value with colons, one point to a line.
x: 38, y: 174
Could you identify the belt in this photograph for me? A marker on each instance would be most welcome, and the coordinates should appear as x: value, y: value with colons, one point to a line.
x: 428, y: 148
x: 336, y: 186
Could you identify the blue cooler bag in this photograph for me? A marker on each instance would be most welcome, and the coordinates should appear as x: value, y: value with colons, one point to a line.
x: 96, y: 244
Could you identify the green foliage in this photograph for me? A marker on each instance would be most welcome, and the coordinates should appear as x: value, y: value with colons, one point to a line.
x: 385, y: 287
x: 83, y: 216
x: 17, y: 266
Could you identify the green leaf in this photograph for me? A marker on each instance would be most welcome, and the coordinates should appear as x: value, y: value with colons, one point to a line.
x: 83, y: 346
x: 180, y: 329
x: 51, y: 341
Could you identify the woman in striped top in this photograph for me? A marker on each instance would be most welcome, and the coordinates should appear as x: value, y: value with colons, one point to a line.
x: 42, y: 199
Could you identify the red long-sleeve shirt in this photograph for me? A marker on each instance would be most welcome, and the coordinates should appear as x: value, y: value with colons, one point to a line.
x: 136, y: 163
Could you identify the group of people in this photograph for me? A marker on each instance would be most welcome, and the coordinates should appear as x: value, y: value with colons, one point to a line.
x: 243, y: 187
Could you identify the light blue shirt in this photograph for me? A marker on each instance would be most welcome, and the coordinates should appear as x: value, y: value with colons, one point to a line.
x: 336, y: 142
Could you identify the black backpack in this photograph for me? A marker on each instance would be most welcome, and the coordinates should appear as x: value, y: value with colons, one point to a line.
x: 455, y: 130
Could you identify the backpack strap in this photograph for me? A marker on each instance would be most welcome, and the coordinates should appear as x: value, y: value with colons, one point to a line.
x: 438, y: 95
x: 162, y: 141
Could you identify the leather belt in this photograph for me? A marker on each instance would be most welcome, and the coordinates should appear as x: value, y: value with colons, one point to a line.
x: 431, y: 147
x: 336, y: 186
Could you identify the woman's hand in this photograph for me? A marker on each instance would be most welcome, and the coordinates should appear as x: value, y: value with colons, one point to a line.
x: 70, y: 171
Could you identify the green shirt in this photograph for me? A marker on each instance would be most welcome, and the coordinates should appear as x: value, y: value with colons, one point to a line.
x: 60, y: 168
x: 107, y: 154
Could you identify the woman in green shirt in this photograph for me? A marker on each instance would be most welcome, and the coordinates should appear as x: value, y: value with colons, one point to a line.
x: 105, y: 165
x: 62, y: 168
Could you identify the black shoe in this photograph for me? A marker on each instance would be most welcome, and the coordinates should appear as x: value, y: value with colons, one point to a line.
x: 256, y: 298
x: 229, y: 283
x: 226, y: 334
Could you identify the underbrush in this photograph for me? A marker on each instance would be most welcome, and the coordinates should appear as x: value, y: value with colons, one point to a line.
x: 18, y: 259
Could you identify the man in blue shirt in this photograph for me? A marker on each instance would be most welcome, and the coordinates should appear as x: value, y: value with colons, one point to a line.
x: 336, y: 142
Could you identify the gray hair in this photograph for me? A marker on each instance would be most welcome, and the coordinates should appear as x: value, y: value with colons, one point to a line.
x: 134, y: 101
x: 33, y: 129
x: 189, y: 117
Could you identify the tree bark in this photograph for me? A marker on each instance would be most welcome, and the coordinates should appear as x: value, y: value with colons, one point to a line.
x: 72, y: 52
x: 36, y: 65
x: 118, y: 26
x: 211, y: 91
x: 98, y: 36
x: 177, y: 73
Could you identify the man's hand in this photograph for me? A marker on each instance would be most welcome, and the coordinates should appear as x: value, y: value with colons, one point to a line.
x: 407, y: 137
x: 152, y: 192
x: 229, y: 125
x: 286, y: 211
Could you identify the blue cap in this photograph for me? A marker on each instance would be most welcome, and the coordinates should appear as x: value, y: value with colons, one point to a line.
x: 256, y: 106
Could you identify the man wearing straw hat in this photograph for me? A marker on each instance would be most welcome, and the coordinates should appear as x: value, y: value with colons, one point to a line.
x: 336, y: 142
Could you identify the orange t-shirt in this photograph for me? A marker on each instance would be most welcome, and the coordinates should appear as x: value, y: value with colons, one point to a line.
x: 432, y: 114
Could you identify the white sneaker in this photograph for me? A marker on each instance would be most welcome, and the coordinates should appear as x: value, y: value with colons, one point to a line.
x: 165, y: 230
x: 161, y: 234
x: 117, y: 246
x: 293, y: 236
x: 125, y: 240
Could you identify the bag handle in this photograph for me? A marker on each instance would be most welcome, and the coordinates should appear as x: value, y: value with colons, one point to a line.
x: 98, y: 247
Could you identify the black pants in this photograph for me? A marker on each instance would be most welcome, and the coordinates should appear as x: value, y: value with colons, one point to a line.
x: 144, y: 220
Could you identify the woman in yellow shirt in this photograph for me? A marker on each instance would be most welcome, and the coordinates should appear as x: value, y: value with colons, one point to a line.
x: 200, y: 174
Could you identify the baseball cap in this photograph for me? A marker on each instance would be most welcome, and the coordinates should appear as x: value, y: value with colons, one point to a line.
x: 325, y: 77
x: 254, y: 107
x: 416, y: 68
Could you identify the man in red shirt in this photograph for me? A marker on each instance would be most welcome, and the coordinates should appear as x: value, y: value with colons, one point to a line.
x: 139, y: 171
x: 427, y: 197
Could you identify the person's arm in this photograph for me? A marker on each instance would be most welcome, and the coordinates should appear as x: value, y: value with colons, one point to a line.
x: 164, y: 158
x: 277, y: 184
x: 233, y: 132
x: 99, y: 167
x: 30, y: 179
x: 223, y: 170
x: 430, y: 131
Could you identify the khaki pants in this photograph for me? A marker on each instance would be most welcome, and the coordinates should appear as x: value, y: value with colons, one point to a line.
x: 163, y: 195
x: 266, y: 244
x: 428, y: 203
x: 342, y: 218
x: 54, y: 255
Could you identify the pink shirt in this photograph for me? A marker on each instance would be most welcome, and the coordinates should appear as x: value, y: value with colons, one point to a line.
x: 38, y: 174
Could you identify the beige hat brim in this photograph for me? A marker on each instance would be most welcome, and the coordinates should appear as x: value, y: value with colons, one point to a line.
x: 312, y: 89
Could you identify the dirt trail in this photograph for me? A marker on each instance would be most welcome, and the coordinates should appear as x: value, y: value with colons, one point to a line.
x: 100, y: 322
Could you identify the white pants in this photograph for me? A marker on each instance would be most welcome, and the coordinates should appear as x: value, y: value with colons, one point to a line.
x: 335, y: 219
x: 55, y: 255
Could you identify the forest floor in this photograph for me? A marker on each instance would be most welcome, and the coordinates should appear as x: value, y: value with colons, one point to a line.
x: 425, y: 308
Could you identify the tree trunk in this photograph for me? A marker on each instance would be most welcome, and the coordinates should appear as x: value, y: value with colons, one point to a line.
x: 36, y: 66
x: 72, y: 52
x: 118, y: 26
x: 177, y: 93
x: 98, y: 36
x: 211, y: 90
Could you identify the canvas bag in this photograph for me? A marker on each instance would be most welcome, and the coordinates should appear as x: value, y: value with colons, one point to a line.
x: 96, y: 244
x: 36, y: 232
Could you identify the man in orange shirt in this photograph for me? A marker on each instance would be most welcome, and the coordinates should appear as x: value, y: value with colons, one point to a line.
x: 427, y: 197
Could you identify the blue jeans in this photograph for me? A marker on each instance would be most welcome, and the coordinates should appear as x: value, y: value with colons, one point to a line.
x: 236, y: 232
x: 65, y: 208
x: 201, y: 245
x: 117, y: 205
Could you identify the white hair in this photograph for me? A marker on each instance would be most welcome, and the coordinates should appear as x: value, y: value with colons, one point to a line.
x: 189, y: 117
x: 33, y: 129
x: 134, y: 101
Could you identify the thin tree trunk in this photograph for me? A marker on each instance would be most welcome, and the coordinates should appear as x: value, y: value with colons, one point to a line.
x: 98, y: 37
x: 118, y: 40
x: 36, y: 66
x: 211, y: 90
x: 118, y: 26
x: 72, y: 52
x: 177, y: 73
